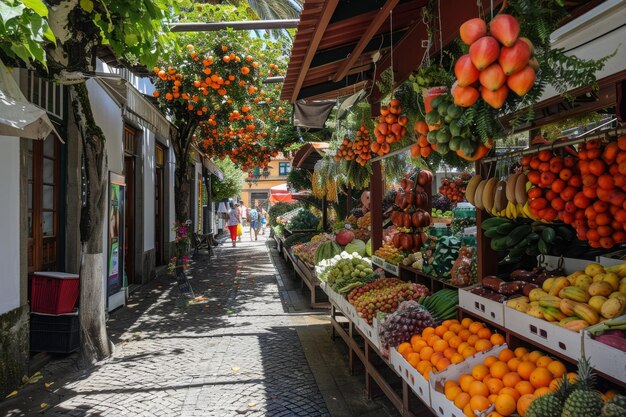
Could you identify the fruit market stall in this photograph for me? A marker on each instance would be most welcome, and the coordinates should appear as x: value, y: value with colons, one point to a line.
x: 481, y: 300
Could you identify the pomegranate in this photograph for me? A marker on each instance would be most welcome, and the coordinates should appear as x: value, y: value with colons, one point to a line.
x: 465, y: 72
x: 484, y: 52
x: 344, y: 236
x: 505, y: 28
x: 464, y: 96
x: 492, y: 78
x: 472, y: 30
x: 496, y: 98
x: 514, y: 58
x: 522, y: 81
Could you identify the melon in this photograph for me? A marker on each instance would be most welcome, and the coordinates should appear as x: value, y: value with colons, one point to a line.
x: 357, y: 246
x: 368, y: 247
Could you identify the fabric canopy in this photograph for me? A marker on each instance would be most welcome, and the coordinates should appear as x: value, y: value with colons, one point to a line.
x: 312, y: 114
x: 280, y: 194
x: 18, y: 117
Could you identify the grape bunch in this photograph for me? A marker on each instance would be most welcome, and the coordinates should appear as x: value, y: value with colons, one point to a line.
x: 383, y: 295
x: 410, y: 318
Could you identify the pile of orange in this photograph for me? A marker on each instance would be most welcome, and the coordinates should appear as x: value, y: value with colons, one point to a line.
x: 509, y: 381
x: 449, y: 343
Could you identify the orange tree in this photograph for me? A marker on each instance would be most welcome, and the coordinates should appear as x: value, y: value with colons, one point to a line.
x: 213, y: 93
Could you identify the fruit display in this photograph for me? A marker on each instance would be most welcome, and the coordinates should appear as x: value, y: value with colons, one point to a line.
x: 307, y: 251
x: 399, y: 326
x: 446, y: 133
x: 440, y: 255
x: 587, y: 190
x: 506, y: 383
x: 346, y: 150
x: 345, y: 272
x: 303, y: 220
x: 390, y: 127
x: 576, y: 396
x: 439, y: 214
x: 499, y: 61
x: 389, y: 253
x: 415, y: 260
x: 521, y: 237
x: 383, y: 295
x: 463, y: 271
x: 436, y: 348
x: 454, y: 188
x: 441, y: 305
x: 502, y: 198
x: 579, y: 300
x: 326, y: 250
x: 612, y: 333
x: 296, y: 238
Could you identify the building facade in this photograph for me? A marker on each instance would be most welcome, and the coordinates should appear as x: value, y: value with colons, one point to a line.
x: 257, y: 185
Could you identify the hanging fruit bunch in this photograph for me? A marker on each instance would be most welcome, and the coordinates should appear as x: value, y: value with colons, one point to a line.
x: 499, y: 61
x: 412, y: 211
x: 391, y: 127
x: 421, y: 148
x: 345, y: 151
x: 362, y: 145
x: 447, y: 134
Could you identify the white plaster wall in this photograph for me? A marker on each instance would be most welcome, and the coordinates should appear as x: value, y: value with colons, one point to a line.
x: 10, y: 223
x: 148, y: 189
x: 108, y: 116
x: 172, y: 208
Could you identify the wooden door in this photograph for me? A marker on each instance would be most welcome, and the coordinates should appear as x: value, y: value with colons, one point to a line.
x: 43, y: 203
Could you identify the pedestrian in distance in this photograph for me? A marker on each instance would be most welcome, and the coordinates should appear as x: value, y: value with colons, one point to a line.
x: 263, y: 216
x: 243, y: 216
x: 255, y: 223
x: 233, y: 222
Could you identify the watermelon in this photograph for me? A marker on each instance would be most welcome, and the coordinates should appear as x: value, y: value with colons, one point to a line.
x: 357, y: 246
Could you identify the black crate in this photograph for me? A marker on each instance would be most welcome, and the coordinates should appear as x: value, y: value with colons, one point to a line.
x: 54, y: 333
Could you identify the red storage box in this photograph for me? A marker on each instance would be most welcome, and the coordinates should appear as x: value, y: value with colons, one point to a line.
x: 53, y: 292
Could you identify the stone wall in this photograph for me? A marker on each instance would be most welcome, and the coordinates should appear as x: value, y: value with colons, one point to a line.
x: 14, y: 346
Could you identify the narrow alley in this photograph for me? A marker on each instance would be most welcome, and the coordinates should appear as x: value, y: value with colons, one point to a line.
x: 251, y: 348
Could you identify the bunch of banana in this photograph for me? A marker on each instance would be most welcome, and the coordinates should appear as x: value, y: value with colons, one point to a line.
x: 521, y: 237
x: 441, y: 305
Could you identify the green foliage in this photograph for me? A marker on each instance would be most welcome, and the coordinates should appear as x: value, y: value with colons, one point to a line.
x: 24, y: 30
x: 299, y: 179
x: 232, y: 183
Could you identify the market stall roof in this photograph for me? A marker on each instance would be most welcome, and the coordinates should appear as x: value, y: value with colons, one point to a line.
x: 280, y: 194
x: 341, y: 46
x: 309, y: 154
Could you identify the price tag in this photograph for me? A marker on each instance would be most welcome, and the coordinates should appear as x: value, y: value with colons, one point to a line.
x: 470, y: 231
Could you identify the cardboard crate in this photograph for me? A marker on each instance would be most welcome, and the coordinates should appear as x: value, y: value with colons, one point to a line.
x: 414, y: 379
x: 482, y: 307
x: 439, y: 403
x: 544, y: 333
x: 605, y: 358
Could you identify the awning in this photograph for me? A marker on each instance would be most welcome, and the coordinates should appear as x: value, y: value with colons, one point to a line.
x: 18, y: 117
x: 136, y: 108
x: 309, y: 154
x: 312, y: 114
x: 280, y: 194
x: 212, y: 168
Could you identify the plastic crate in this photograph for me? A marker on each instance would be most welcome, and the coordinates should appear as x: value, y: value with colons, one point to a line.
x: 54, y: 333
x: 54, y: 292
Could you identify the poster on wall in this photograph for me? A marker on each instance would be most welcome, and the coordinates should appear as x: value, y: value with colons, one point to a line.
x: 115, y: 264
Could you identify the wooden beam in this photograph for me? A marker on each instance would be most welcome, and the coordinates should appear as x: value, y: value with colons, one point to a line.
x: 329, y: 9
x: 243, y: 25
x: 373, y: 27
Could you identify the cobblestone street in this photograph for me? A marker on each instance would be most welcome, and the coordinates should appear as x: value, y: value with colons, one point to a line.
x: 240, y: 352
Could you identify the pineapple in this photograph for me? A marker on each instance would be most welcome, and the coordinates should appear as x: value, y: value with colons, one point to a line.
x: 615, y: 407
x: 550, y: 405
x: 583, y: 401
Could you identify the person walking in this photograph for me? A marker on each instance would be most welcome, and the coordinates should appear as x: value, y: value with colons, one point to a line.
x: 233, y: 221
x: 263, y: 216
x: 253, y: 214
x: 243, y: 215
